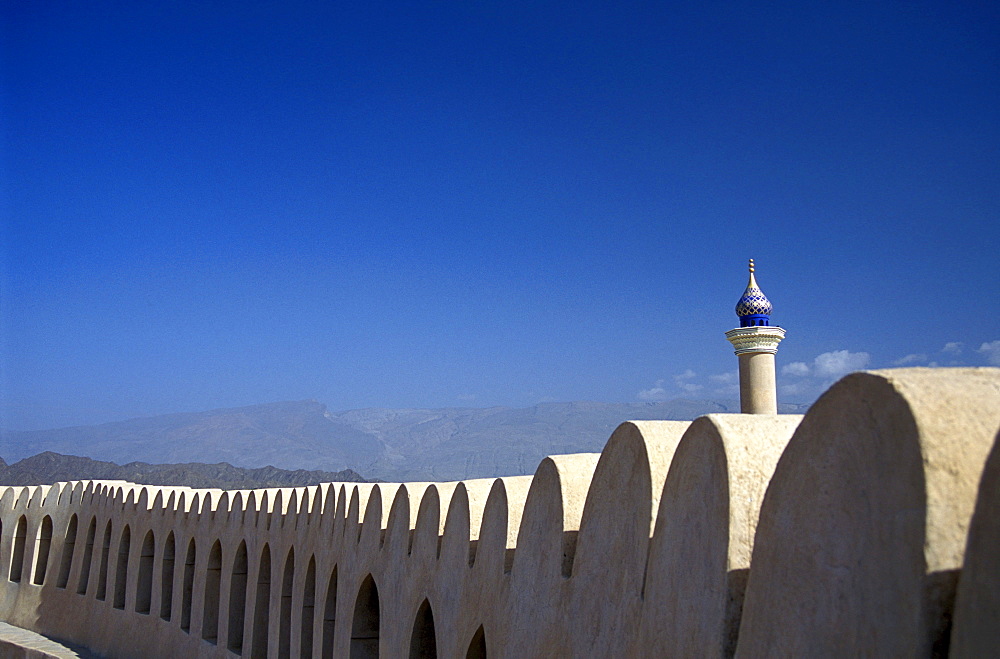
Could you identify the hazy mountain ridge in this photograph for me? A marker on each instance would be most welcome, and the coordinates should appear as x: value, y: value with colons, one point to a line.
x: 49, y: 467
x: 388, y: 444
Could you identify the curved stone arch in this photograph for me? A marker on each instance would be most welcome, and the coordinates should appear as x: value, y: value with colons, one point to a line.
x: 83, y: 581
x: 477, y: 646
x: 428, y: 531
x: 456, y: 541
x: 212, y: 600
x: 699, y: 555
x: 329, y: 615
x: 863, y: 526
x: 121, y: 567
x: 187, y: 583
x: 546, y: 543
x: 285, y: 604
x: 16, y: 567
x: 43, y: 545
x: 396, y: 539
x: 144, y: 581
x: 423, y: 638
x: 168, y: 561
x: 308, y: 618
x: 262, y: 605
x: 366, y: 621
x: 68, y: 552
x: 977, y: 603
x: 238, y: 580
x: 629, y: 475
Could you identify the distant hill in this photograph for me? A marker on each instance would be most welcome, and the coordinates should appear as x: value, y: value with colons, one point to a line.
x: 388, y: 444
x: 46, y: 468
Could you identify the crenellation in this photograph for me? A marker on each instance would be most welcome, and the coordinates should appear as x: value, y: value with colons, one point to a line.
x: 850, y: 530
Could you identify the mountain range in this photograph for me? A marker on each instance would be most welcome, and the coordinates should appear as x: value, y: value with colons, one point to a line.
x: 386, y: 444
x: 48, y: 467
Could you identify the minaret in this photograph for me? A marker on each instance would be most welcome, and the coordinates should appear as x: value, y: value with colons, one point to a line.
x: 756, y: 342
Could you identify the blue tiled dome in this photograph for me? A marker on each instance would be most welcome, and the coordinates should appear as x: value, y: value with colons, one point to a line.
x: 753, y: 307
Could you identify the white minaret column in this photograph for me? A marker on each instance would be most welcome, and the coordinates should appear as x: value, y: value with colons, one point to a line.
x: 755, y: 342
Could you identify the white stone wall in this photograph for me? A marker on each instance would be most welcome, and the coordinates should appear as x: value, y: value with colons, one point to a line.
x: 840, y: 533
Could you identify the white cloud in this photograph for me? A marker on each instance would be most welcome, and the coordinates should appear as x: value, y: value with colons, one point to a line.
x: 954, y: 347
x: 839, y: 362
x: 992, y: 352
x: 657, y: 392
x: 687, y: 387
x: 725, y: 378
x: 798, y: 369
x: 916, y: 358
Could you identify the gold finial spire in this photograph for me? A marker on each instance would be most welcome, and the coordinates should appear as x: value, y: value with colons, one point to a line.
x: 751, y: 266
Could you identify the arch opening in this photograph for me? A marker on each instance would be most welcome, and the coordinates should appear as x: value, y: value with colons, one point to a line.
x: 237, y: 599
x: 167, y: 579
x: 88, y: 557
x: 69, y: 547
x: 17, y: 552
x: 285, y: 613
x: 102, y: 574
x: 213, y: 582
x: 477, y: 648
x: 187, y: 589
x: 308, y: 611
x: 262, y: 604
x: 121, y: 569
x: 330, y: 614
x: 144, y: 587
x: 423, y: 643
x: 43, y: 544
x: 365, y: 625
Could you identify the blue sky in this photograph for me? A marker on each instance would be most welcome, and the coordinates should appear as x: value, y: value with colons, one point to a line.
x: 473, y: 204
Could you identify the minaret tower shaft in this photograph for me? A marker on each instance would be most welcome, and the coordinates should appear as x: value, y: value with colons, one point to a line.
x: 755, y: 342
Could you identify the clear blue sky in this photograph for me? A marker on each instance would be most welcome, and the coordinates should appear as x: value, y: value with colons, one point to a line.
x: 438, y: 204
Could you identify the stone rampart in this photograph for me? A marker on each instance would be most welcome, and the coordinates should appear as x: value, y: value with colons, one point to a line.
x: 869, y: 527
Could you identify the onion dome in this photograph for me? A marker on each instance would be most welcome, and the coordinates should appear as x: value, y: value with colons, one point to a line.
x: 753, y: 308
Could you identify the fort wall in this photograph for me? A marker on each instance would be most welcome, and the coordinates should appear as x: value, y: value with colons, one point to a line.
x: 869, y: 526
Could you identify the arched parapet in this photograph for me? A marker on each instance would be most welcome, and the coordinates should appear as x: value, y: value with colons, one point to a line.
x: 38, y: 495
x: 25, y: 495
x: 210, y: 502
x: 863, y: 527
x: 611, y: 549
x: 975, y: 632
x: 501, y: 522
x: 224, y: 504
x: 428, y: 528
x: 545, y: 547
x: 252, y: 514
x: 336, y: 526
x: 143, y: 503
x: 324, y: 509
x: 290, y: 511
x: 9, y: 498
x: 703, y: 536
x: 31, y: 497
x: 77, y: 493
x: 401, y: 522
x: 376, y: 516
x: 235, y: 510
x: 52, y: 496
x: 356, y: 511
